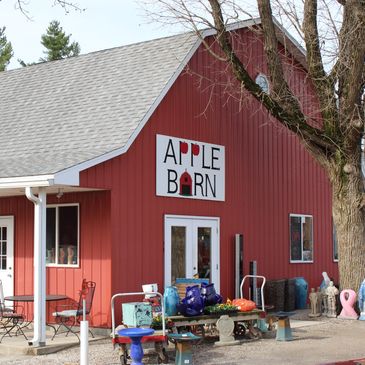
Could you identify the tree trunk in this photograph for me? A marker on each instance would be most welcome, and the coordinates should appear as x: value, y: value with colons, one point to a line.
x: 348, y: 216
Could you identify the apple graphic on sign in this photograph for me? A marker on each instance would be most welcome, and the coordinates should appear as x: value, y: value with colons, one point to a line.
x: 184, y: 147
x: 195, y: 149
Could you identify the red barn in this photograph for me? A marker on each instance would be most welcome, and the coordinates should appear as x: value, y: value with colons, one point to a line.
x: 139, y: 164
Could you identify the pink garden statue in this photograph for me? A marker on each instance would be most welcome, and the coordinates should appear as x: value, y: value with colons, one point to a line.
x: 348, y: 299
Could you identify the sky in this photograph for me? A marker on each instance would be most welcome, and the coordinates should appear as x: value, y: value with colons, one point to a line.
x: 103, y: 24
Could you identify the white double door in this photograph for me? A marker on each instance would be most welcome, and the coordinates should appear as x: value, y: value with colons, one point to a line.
x: 7, y: 254
x: 191, y: 248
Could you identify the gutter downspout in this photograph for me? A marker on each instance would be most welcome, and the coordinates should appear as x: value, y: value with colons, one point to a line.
x: 39, y: 336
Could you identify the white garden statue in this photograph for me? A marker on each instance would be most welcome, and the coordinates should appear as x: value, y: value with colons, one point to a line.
x: 313, y: 298
x: 331, y: 292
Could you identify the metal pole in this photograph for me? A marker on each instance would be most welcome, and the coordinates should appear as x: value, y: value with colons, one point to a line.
x: 84, y: 336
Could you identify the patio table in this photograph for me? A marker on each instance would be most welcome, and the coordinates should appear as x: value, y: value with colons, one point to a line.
x: 30, y: 298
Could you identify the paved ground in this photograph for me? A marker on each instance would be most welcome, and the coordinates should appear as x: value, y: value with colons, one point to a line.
x: 315, y: 342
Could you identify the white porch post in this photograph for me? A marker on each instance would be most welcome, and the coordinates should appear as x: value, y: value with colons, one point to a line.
x: 39, y: 337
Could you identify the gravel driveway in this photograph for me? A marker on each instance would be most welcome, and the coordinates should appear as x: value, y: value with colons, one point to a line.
x: 319, y: 341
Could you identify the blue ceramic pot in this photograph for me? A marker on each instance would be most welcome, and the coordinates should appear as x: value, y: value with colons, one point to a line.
x: 171, y: 300
x: 301, y: 292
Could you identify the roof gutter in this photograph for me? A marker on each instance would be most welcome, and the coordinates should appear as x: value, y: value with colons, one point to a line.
x: 65, y: 177
x: 26, y: 181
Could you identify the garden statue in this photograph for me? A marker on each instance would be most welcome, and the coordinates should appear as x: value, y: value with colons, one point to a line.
x: 348, y: 299
x: 325, y: 281
x: 362, y: 301
x: 319, y: 301
x: 313, y: 298
x: 324, y: 302
x: 331, y: 293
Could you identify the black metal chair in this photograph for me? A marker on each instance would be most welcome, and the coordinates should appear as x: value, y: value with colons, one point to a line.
x: 2, y: 300
x: 11, y: 320
x: 68, y: 316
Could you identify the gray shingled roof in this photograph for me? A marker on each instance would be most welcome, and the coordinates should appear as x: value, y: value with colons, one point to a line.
x: 58, y: 114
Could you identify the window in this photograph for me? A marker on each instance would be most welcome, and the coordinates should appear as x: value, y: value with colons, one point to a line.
x: 301, y: 238
x: 263, y: 82
x: 62, y: 235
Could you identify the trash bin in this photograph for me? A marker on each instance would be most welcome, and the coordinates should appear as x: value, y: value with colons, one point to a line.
x: 289, y: 304
x: 301, y: 292
x: 275, y: 294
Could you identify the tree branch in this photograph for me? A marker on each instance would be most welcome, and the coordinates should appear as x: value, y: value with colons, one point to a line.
x: 282, y: 105
x: 349, y: 73
x: 324, y: 85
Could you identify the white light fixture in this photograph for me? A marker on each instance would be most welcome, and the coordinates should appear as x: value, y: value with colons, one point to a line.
x: 59, y: 194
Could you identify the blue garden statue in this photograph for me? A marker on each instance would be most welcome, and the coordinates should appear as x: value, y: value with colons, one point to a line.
x: 361, y: 297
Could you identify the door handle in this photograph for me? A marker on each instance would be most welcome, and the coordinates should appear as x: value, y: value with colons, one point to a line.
x: 9, y: 275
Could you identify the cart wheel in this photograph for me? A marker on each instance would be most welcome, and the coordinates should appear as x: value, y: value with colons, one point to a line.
x: 254, y: 333
x: 165, y: 359
x: 239, y: 329
x: 123, y: 354
x: 198, y: 330
x: 124, y: 359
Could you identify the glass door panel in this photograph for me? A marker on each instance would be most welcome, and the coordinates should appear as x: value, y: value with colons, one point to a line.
x: 178, y: 249
x: 204, y: 235
x: 6, y: 254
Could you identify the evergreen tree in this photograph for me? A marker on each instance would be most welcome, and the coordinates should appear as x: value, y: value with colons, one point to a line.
x: 6, y: 50
x: 57, y: 43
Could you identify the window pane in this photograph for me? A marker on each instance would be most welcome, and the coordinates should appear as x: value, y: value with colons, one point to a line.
x: 67, y: 233
x: 51, y: 236
x: 178, y: 242
x: 204, y: 244
x: 3, y: 260
x: 307, y: 239
x: 295, y: 238
x: 4, y: 233
x: 3, y: 248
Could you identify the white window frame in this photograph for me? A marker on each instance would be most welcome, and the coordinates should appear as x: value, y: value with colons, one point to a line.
x: 301, y: 261
x: 56, y: 233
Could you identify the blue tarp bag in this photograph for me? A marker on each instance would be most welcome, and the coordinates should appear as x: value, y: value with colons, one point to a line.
x: 209, y: 294
x: 193, y: 303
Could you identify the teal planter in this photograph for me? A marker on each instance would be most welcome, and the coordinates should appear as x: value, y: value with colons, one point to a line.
x: 171, y: 300
x: 301, y: 293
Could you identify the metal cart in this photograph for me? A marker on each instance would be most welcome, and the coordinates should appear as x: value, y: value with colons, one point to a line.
x: 159, y: 338
x: 241, y: 327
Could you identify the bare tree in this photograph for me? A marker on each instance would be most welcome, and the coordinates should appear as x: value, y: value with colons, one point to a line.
x: 21, y: 5
x: 333, y: 136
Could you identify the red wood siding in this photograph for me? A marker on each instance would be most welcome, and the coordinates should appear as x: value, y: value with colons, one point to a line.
x: 95, y: 251
x: 268, y: 176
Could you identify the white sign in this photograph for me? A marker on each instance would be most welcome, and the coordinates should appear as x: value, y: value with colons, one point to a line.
x: 189, y: 169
